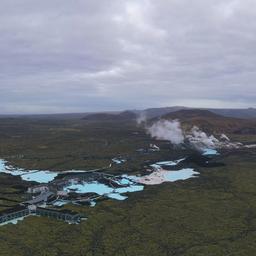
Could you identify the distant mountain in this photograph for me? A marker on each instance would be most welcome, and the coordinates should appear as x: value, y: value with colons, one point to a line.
x: 211, y: 122
x: 193, y: 114
x: 156, y: 112
x: 249, y: 113
x: 123, y: 116
x: 238, y: 113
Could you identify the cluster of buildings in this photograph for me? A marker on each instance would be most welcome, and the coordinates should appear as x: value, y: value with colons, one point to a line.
x: 38, y: 196
x: 21, y: 211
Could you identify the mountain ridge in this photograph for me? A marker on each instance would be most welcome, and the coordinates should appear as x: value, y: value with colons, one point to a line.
x: 211, y: 122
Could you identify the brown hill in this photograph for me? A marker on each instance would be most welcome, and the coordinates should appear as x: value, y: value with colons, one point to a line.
x: 211, y: 122
x: 247, y: 113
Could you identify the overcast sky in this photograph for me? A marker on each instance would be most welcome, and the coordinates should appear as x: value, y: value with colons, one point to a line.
x: 93, y: 55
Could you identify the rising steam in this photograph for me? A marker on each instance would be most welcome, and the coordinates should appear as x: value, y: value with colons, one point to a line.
x: 200, y: 139
x: 141, y: 118
x: 195, y: 138
x: 167, y: 130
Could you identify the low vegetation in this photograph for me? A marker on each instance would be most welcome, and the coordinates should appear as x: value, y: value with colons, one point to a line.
x: 212, y: 215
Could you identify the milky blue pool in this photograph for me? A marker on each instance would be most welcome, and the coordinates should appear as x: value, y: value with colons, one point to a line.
x: 209, y: 151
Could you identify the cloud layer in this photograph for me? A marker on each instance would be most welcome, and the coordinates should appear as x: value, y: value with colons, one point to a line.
x: 70, y: 56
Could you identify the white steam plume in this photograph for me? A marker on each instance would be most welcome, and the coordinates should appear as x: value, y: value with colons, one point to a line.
x: 142, y: 118
x: 167, y: 130
x: 201, y: 140
x: 195, y: 138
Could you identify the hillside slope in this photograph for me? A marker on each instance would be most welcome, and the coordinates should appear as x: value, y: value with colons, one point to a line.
x: 249, y: 113
x: 211, y: 122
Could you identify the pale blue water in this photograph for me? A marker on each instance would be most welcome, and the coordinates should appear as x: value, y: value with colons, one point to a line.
x: 2, y: 165
x: 131, y: 188
x: 129, y: 182
x: 102, y: 189
x: 60, y: 202
x: 94, y: 187
x: 209, y: 151
x: 40, y: 176
x: 182, y: 174
x: 14, y: 172
x: 159, y: 165
x: 92, y: 203
x: 117, y: 196
x: 170, y: 163
x: 32, y: 175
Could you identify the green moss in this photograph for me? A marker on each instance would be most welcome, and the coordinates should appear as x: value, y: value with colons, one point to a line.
x: 213, y: 215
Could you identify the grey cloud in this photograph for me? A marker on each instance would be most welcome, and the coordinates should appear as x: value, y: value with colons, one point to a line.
x: 93, y: 55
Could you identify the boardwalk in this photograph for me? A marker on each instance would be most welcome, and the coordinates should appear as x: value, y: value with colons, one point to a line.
x: 13, y: 213
x: 23, y: 211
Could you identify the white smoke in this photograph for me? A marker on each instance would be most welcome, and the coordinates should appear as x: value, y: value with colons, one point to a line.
x: 195, y: 138
x: 142, y: 118
x: 201, y: 140
x: 167, y: 130
x: 224, y: 137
